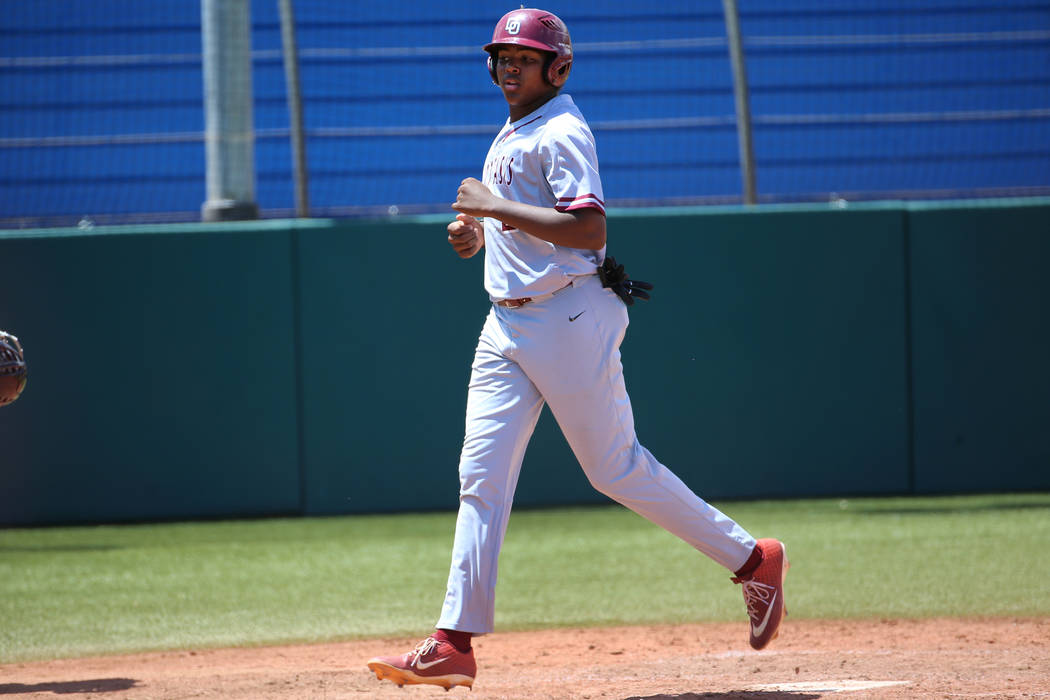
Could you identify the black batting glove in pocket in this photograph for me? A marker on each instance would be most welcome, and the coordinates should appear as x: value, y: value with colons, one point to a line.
x: 614, y: 277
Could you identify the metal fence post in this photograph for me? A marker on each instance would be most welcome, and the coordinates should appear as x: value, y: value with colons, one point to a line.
x: 229, y: 134
x: 295, y: 108
x: 743, y: 109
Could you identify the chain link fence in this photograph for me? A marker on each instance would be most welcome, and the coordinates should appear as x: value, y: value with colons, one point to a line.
x: 102, y: 107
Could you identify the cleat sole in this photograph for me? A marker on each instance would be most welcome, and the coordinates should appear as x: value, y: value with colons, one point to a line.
x: 402, y: 677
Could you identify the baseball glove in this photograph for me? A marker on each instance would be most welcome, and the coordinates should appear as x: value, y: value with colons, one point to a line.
x: 615, y: 278
x: 12, y: 368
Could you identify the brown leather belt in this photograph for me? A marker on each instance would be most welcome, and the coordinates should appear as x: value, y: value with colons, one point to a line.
x: 513, y: 303
x: 518, y: 303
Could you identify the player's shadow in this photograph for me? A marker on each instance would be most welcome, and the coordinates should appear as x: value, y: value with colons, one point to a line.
x: 96, y: 685
x: 732, y: 695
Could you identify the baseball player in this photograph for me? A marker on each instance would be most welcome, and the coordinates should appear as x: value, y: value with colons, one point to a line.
x: 552, y: 336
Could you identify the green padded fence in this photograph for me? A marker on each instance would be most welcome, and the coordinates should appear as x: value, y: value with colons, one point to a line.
x: 980, y: 318
x: 320, y: 367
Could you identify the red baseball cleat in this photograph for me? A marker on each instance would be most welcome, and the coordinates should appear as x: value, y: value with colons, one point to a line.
x: 431, y: 662
x: 764, y: 593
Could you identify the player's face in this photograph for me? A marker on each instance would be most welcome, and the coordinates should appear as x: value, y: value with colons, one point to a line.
x: 520, y: 74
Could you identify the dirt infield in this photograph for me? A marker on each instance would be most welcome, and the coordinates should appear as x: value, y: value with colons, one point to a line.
x: 995, y: 658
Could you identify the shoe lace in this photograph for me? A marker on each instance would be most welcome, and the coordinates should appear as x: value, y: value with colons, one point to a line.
x: 423, y: 648
x: 757, y: 597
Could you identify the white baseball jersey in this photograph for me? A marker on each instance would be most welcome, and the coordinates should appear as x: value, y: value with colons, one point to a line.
x: 547, y: 159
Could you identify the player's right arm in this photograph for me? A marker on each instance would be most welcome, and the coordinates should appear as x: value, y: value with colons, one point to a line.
x: 581, y: 228
x: 466, y: 235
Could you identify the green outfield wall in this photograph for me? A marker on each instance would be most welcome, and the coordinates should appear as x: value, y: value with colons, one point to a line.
x: 320, y: 367
x: 980, y: 339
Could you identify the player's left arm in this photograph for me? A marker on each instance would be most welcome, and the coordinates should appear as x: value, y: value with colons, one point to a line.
x: 576, y: 228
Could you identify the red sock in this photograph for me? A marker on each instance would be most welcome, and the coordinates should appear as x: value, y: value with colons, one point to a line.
x: 753, y: 562
x: 460, y: 640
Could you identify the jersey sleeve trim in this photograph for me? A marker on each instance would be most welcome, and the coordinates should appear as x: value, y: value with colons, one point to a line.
x: 583, y: 201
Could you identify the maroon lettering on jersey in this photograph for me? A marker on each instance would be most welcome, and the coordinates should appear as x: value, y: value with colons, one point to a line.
x: 503, y: 173
x: 499, y: 171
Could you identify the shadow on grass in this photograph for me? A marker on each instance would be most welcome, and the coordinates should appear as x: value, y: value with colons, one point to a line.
x: 98, y: 685
x: 42, y: 548
x: 732, y: 695
x: 950, y: 507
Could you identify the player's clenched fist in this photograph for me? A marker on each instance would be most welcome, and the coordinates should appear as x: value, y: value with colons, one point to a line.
x: 466, y: 235
x: 473, y: 198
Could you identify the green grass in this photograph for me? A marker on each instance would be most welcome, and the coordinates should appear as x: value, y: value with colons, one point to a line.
x: 98, y: 590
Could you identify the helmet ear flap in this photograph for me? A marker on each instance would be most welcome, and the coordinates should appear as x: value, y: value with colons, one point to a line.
x: 492, y: 67
x: 558, y: 72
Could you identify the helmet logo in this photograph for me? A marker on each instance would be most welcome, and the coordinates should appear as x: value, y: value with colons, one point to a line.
x: 513, y: 26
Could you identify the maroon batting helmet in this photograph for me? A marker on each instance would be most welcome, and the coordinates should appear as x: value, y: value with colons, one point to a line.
x: 535, y: 29
x: 12, y: 368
